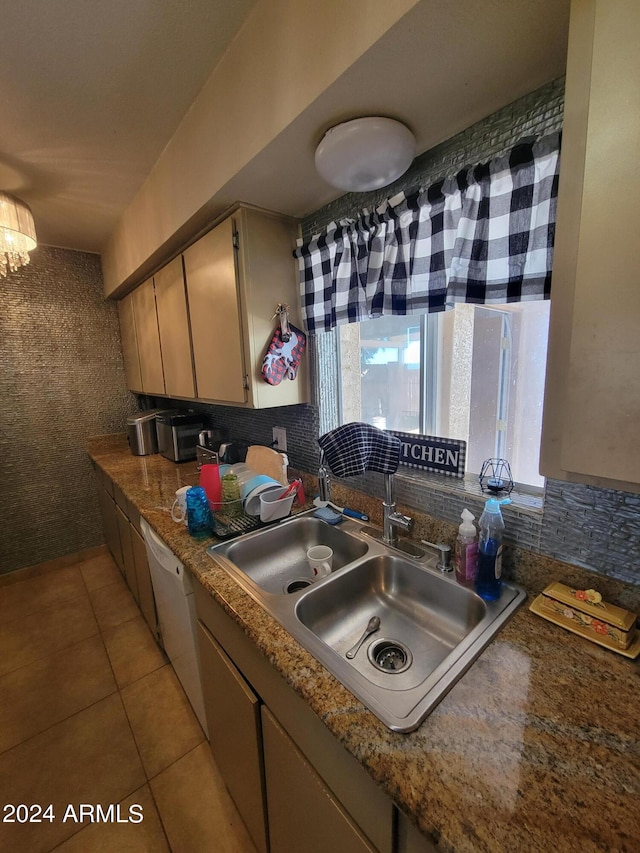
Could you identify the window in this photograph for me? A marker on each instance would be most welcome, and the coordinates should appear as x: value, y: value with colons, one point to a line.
x: 474, y: 373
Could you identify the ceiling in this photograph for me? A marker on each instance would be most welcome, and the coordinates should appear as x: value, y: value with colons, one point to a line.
x: 92, y: 93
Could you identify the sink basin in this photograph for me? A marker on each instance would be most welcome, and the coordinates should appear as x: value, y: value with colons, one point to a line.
x: 431, y: 629
x: 420, y: 614
x: 276, y: 558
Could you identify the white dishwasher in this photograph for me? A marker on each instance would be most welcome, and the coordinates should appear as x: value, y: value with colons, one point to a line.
x: 175, y: 605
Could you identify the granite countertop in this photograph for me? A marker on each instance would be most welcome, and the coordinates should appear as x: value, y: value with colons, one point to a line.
x: 535, y: 748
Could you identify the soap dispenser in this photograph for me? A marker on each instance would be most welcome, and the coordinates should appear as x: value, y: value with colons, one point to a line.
x: 466, y: 551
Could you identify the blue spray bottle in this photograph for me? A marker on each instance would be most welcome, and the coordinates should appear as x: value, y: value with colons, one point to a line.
x: 489, y: 577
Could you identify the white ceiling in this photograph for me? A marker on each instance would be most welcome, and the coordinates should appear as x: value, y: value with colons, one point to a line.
x: 91, y: 92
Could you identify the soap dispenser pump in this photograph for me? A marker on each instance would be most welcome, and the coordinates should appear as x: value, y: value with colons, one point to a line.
x: 466, y: 551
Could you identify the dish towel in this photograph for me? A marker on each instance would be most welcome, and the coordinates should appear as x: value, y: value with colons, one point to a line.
x: 357, y: 447
x: 283, y: 357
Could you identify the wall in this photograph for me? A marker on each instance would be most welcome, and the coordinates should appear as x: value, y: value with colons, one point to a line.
x: 270, y: 74
x: 61, y: 381
x: 588, y: 526
x: 595, y: 528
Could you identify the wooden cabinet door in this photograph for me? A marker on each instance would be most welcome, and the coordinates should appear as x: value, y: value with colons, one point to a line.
x: 592, y: 395
x: 303, y: 813
x: 144, y: 305
x: 128, y: 565
x: 268, y: 276
x: 173, y: 325
x: 143, y: 577
x: 214, y: 311
x: 110, y: 526
x: 129, y: 344
x: 233, y: 720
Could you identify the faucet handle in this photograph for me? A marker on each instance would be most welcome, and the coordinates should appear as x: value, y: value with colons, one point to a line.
x: 404, y: 522
x: 444, y: 550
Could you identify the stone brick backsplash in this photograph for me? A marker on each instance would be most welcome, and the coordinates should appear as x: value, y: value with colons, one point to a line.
x: 61, y: 382
x: 255, y: 425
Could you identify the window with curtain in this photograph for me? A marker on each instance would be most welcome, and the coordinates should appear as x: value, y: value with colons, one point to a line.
x: 440, y: 295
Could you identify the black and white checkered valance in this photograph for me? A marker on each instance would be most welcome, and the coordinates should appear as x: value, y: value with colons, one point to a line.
x: 483, y: 236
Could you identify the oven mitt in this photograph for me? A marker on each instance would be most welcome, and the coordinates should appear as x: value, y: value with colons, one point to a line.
x: 283, y: 357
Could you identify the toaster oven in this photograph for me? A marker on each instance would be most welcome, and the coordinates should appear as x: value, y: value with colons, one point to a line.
x: 178, y: 435
x: 141, y: 433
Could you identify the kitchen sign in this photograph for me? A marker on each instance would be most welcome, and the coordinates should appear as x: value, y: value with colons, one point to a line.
x: 430, y: 453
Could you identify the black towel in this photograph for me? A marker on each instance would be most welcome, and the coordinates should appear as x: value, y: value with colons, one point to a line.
x: 357, y: 447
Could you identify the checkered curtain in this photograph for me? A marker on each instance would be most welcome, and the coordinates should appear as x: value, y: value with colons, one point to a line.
x: 483, y: 236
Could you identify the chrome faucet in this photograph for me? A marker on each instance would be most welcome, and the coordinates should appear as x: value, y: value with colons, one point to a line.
x: 324, y: 483
x: 392, y: 520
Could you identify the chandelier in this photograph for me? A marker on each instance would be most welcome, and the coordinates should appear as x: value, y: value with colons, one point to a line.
x: 17, y: 233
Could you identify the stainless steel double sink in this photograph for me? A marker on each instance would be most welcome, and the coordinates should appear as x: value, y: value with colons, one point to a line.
x: 431, y: 628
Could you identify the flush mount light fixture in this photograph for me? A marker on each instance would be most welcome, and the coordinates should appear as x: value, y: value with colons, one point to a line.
x: 365, y: 153
x: 17, y: 233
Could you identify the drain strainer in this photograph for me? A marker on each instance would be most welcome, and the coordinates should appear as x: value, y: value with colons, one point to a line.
x: 390, y: 656
x: 297, y: 584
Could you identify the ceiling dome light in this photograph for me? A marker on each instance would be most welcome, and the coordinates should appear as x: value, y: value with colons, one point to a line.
x: 365, y: 153
x: 17, y: 233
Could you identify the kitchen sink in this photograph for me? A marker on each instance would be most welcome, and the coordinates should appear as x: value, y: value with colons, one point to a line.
x: 418, y: 612
x: 431, y: 629
x: 276, y: 558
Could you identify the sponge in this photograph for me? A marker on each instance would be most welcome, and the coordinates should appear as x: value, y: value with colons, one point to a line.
x: 328, y: 515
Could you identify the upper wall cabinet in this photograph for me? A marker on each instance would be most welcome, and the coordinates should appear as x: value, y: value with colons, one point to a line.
x: 148, y: 337
x: 130, y: 343
x: 592, y: 400
x: 214, y: 308
x: 268, y: 275
x: 236, y: 276
x: 204, y: 335
x: 173, y: 326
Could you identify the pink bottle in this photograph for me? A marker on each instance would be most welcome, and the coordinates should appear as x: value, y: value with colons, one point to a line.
x: 466, y: 551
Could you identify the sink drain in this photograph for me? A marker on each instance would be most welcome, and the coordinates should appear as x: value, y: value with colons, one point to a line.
x: 297, y: 584
x: 390, y: 656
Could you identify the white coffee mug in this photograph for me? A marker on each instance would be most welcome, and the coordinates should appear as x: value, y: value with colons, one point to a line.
x: 179, y: 506
x: 320, y: 558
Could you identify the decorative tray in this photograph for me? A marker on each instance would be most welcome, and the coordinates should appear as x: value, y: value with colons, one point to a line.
x: 584, y: 613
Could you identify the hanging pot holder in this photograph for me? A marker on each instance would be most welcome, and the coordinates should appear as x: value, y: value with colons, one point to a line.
x: 283, y: 357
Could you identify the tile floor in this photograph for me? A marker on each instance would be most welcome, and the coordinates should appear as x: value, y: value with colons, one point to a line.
x: 91, y: 712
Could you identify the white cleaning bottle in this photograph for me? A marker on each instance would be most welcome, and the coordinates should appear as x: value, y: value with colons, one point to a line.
x: 466, y: 551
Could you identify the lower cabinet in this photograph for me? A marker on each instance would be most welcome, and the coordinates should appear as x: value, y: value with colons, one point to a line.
x: 121, y: 525
x: 146, y: 600
x: 124, y: 528
x: 294, y: 784
x: 233, y: 720
x: 110, y: 525
x: 303, y: 812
